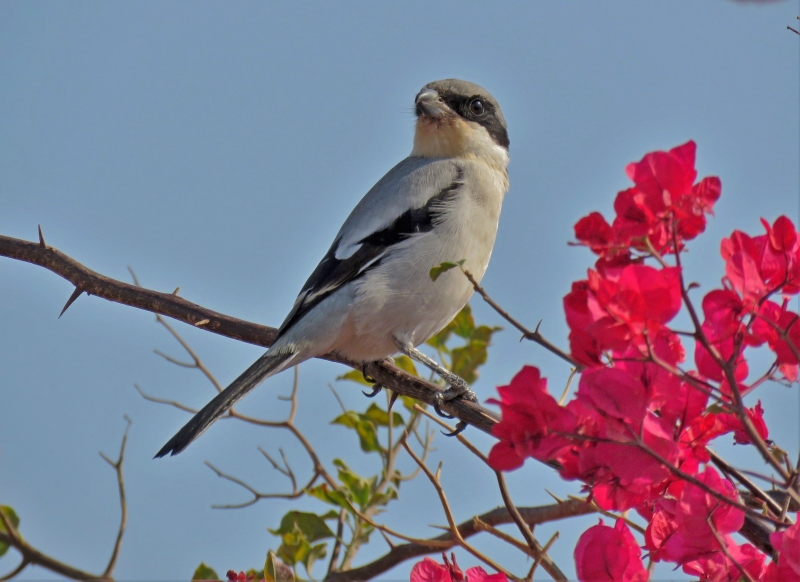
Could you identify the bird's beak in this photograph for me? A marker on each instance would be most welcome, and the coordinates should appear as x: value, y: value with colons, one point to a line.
x: 430, y: 104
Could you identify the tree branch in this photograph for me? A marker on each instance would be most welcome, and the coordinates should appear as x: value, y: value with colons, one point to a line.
x: 175, y: 307
x: 468, y: 528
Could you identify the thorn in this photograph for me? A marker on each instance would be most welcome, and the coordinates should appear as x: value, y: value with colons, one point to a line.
x: 556, y: 497
x: 41, y: 238
x: 202, y: 322
x: 176, y: 290
x: 536, y: 331
x: 392, y: 400
x: 71, y: 300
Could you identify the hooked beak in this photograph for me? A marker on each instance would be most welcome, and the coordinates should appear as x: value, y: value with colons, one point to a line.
x: 430, y: 104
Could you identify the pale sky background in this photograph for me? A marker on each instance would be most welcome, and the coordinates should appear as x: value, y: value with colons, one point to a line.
x: 219, y: 146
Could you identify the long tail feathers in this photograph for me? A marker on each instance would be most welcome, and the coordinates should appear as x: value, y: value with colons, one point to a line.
x: 267, y: 365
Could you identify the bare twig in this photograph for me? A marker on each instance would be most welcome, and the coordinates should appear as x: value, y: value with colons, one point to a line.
x: 500, y: 516
x: 337, y: 544
x: 258, y: 496
x: 533, y: 336
x: 16, y: 571
x: 725, y: 467
x: 123, y: 520
x: 727, y: 366
x: 434, y: 479
x: 537, y: 550
x: 724, y: 547
x: 33, y: 557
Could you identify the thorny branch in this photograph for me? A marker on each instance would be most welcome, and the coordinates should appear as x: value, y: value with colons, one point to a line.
x: 527, y: 334
x: 175, y: 307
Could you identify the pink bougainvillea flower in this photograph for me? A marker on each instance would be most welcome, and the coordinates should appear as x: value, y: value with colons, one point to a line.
x: 429, y: 570
x: 681, y: 529
x: 532, y: 421
x: 609, y: 554
x: 787, y: 547
x: 727, y: 566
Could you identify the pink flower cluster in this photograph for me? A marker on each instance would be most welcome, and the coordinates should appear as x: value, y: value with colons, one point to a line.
x: 429, y: 570
x: 637, y: 428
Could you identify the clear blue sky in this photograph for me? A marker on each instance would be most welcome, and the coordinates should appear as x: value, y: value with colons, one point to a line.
x: 218, y: 146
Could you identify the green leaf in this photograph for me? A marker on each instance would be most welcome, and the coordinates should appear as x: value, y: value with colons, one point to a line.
x: 203, y: 572
x: 275, y: 570
x: 437, y: 271
x: 310, y: 525
x: 464, y: 324
x: 368, y: 436
x: 297, y: 531
x: 349, y: 419
x: 381, y: 499
x: 13, y: 519
x: 354, y: 376
x: 317, y: 552
x: 715, y: 409
x: 332, y: 496
x: 365, y: 428
x: 381, y: 418
x: 361, y: 489
x: 467, y: 359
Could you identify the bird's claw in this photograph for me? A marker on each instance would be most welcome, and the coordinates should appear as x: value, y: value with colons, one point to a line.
x: 458, y: 430
x: 367, y: 378
x: 375, y: 390
x: 457, y: 390
x: 438, y: 400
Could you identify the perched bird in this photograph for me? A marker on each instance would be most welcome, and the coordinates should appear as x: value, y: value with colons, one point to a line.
x: 372, y: 296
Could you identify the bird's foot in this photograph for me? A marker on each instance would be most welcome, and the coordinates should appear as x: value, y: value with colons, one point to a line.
x: 458, y: 389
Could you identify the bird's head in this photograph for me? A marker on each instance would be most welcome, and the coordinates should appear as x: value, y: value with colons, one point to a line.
x: 459, y: 119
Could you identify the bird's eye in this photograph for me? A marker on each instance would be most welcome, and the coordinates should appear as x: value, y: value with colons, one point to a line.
x: 476, y: 107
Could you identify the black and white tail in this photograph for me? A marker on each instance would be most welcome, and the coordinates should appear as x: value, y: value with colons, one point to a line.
x: 264, y: 367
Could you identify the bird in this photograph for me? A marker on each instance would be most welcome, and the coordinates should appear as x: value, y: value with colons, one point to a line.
x: 372, y: 296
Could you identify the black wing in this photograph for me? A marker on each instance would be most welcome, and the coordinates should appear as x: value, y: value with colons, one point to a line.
x: 333, y: 273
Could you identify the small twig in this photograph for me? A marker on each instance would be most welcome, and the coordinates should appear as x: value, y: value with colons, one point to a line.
x: 572, y: 374
x: 747, y: 483
x: 547, y: 563
x: 499, y: 516
x: 16, y: 571
x: 34, y: 557
x: 123, y: 521
x: 723, y: 547
x: 448, y: 513
x: 610, y: 514
x: 257, y: 495
x: 727, y: 367
x: 158, y: 400
x: 337, y: 545
x: 545, y: 551
x: 533, y: 336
